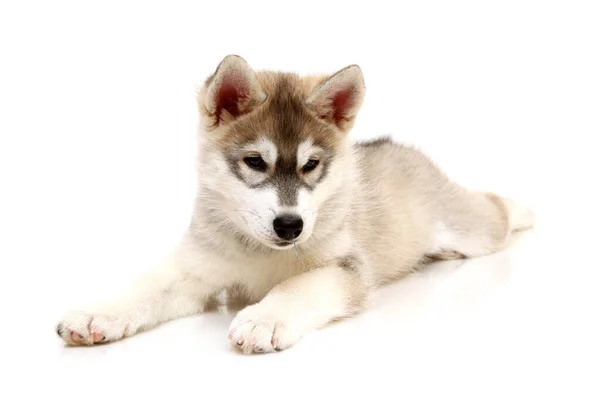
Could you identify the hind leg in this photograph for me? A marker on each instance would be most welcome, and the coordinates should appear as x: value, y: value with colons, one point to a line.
x: 475, y: 224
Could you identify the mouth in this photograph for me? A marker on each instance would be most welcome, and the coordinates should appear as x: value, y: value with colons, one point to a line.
x: 282, y: 244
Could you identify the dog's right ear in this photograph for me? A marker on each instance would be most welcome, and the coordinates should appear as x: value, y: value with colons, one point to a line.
x: 231, y: 91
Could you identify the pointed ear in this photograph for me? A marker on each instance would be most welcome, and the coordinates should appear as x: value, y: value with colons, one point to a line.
x: 231, y: 91
x: 339, y: 98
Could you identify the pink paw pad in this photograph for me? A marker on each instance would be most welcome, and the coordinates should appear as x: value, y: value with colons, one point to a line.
x: 97, y: 336
x: 76, y: 337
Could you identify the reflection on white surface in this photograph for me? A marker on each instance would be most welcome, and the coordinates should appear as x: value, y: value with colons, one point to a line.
x: 492, y: 327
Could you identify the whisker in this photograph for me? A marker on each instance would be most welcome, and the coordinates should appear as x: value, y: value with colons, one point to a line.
x: 250, y: 211
x: 296, y: 250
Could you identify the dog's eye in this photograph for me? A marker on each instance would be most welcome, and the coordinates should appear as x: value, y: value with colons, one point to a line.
x: 310, y: 165
x: 256, y: 163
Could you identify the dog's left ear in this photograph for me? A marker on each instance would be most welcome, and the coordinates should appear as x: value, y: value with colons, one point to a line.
x: 339, y: 98
x: 233, y: 90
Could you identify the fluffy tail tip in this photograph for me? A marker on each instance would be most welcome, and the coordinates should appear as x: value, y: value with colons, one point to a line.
x: 520, y: 216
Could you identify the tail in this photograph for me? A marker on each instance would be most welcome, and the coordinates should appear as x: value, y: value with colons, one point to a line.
x: 519, y: 216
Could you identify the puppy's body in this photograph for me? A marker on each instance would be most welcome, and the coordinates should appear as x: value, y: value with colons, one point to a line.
x: 276, y: 168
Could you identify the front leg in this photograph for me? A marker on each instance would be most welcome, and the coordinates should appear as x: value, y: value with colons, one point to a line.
x: 169, y: 291
x: 299, y: 305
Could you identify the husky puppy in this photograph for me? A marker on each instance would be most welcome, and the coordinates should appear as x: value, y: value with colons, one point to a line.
x: 294, y: 218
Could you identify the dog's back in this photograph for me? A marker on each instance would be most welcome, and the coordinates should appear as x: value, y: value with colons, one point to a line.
x: 408, y: 211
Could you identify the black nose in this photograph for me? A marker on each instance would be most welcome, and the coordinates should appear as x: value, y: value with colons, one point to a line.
x: 288, y: 227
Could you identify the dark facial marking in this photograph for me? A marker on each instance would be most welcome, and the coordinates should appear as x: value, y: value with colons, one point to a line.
x: 287, y: 120
x: 324, y: 170
x: 232, y: 162
x: 291, y: 117
x: 286, y: 181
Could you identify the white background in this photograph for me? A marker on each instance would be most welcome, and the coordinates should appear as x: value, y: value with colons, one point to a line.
x: 97, y: 142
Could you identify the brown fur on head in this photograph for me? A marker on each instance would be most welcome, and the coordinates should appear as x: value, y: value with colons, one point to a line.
x: 277, y: 130
x: 234, y: 90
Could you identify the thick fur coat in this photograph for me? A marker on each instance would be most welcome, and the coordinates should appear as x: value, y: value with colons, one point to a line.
x: 295, y: 219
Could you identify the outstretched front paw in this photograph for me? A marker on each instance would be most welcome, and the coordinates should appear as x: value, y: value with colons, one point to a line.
x: 80, y: 328
x: 262, y: 329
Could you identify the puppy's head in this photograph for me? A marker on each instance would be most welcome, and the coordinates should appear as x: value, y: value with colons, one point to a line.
x: 275, y: 147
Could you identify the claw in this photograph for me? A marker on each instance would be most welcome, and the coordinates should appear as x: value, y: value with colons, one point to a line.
x: 59, y: 329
